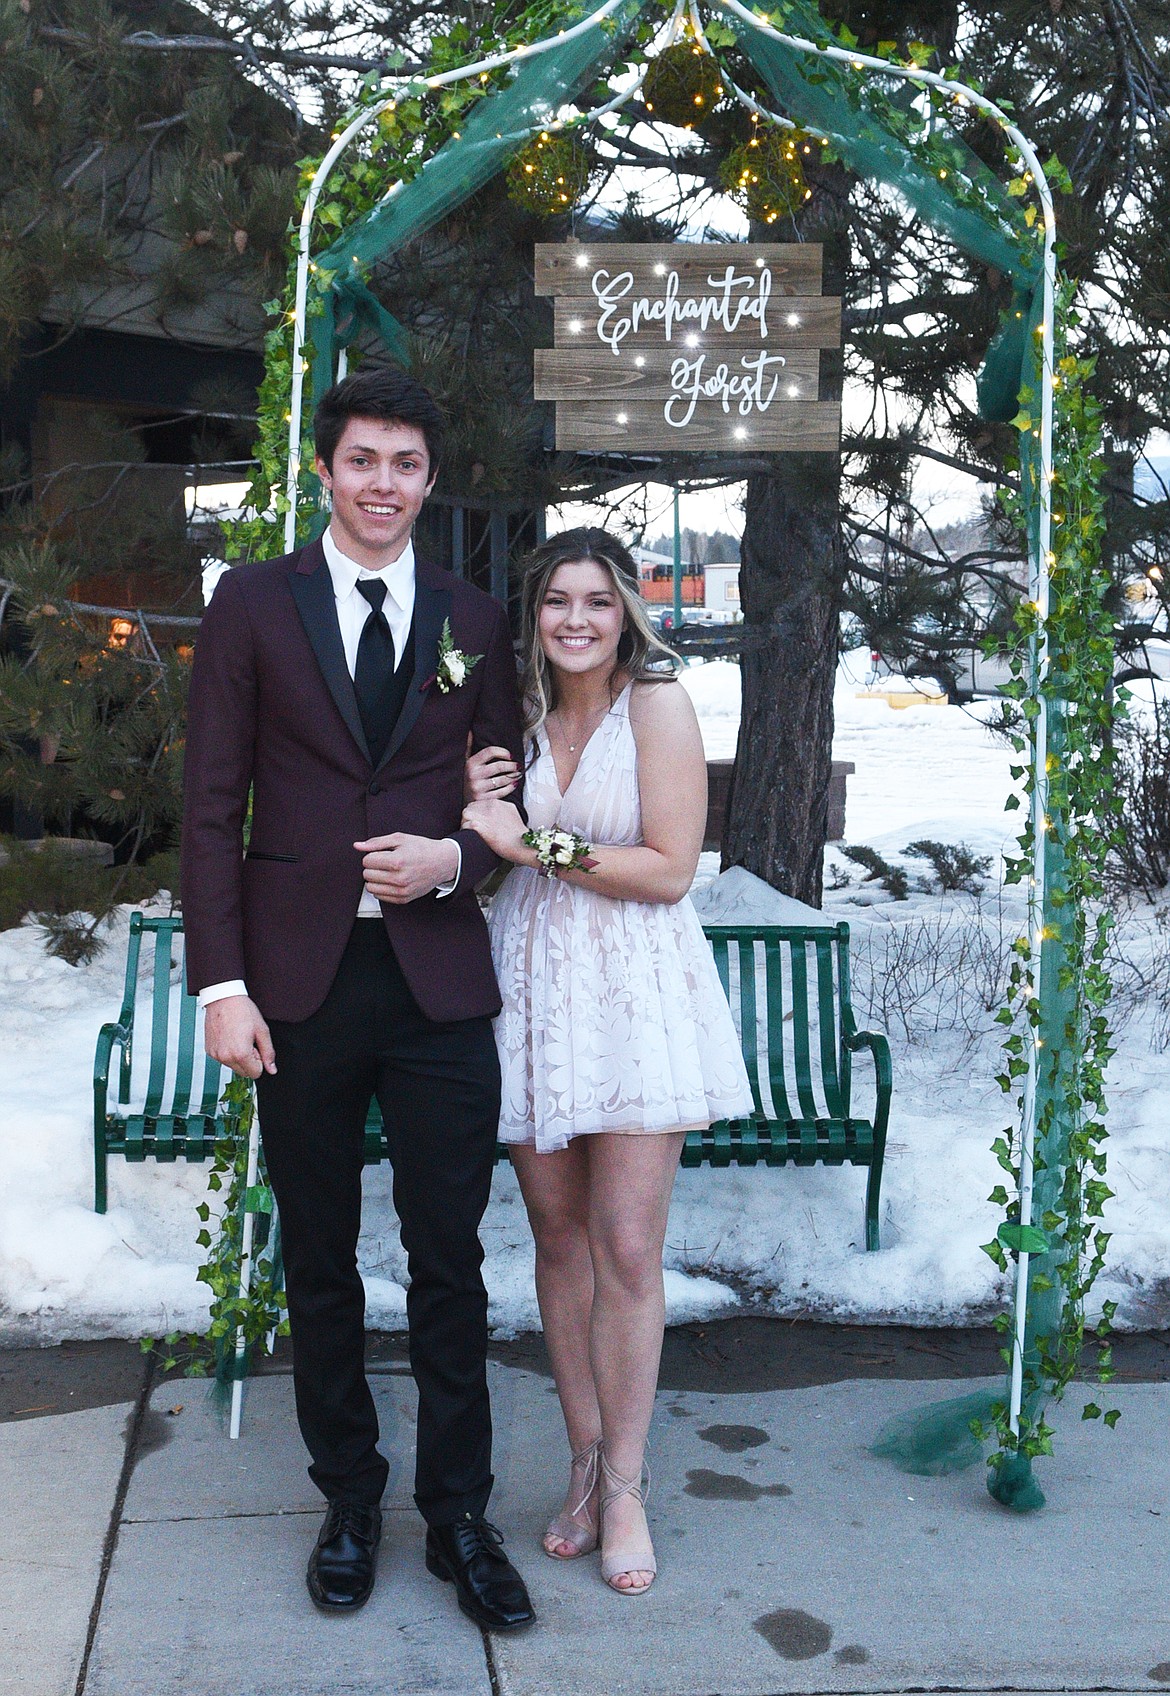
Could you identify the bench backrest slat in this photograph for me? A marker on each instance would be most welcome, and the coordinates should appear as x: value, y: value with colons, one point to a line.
x: 774, y: 1039
x: 185, y: 1061
x: 827, y: 1020
x: 160, y: 1015
x: 798, y: 964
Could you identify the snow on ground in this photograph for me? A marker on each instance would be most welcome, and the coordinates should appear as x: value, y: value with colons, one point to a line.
x: 789, y: 1241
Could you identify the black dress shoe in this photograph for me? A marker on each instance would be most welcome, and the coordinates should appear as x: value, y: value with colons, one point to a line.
x: 470, y: 1555
x: 341, y: 1567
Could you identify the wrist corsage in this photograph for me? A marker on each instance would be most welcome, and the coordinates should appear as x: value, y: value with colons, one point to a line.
x: 559, y: 851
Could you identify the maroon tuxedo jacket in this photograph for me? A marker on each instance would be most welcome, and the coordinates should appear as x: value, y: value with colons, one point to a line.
x: 272, y: 710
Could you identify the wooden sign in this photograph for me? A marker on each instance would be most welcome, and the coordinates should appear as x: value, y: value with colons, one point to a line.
x: 703, y: 347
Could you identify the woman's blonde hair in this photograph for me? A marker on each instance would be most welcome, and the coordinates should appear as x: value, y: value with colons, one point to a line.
x: 642, y: 654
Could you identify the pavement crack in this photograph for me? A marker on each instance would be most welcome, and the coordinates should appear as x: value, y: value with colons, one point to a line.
x: 129, y: 1459
x: 489, y: 1655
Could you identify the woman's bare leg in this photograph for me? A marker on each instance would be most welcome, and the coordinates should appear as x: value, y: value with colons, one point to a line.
x: 630, y: 1184
x: 555, y: 1188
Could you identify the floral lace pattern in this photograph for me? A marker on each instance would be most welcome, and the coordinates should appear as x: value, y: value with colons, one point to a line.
x: 614, y: 1018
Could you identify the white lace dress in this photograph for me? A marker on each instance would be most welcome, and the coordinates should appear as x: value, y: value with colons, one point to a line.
x: 614, y: 1018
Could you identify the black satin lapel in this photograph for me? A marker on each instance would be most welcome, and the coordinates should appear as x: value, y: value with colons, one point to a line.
x: 431, y: 607
x: 313, y: 593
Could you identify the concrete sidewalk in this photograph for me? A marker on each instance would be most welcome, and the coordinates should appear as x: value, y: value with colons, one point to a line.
x: 790, y: 1559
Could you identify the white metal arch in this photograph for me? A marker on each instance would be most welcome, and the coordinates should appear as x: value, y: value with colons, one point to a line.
x: 1039, y: 582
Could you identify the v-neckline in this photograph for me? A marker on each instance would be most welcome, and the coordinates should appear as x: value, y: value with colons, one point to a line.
x: 585, y: 746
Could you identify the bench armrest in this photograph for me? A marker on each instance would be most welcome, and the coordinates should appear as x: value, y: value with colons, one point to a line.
x: 879, y: 1047
x: 109, y: 1037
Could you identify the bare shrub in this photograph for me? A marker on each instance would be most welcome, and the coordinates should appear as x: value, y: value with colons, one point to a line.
x: 945, y: 971
x: 1138, y: 962
x: 1141, y: 858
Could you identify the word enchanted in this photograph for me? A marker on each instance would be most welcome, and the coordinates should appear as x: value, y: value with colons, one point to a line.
x: 689, y: 385
x: 736, y: 297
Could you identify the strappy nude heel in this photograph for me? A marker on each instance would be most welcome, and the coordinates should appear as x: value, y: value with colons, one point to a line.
x: 566, y: 1528
x: 635, y: 1557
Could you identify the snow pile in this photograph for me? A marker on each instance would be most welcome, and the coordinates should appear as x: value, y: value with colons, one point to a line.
x: 788, y: 1241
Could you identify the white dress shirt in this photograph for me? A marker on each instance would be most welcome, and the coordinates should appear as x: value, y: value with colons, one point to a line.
x: 352, y: 611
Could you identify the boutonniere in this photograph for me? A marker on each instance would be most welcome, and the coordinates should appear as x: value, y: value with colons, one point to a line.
x: 454, y: 664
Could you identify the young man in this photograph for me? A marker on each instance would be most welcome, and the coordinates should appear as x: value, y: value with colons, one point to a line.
x: 344, y: 956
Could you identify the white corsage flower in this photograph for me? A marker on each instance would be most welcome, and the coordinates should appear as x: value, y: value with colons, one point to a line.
x: 454, y: 664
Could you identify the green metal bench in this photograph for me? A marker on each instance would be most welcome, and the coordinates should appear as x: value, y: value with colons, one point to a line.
x: 788, y: 987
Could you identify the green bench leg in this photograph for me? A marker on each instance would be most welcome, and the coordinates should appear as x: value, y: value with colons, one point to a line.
x: 100, y: 1163
x: 873, y: 1191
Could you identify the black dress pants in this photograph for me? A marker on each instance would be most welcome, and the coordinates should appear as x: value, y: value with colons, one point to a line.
x: 438, y: 1086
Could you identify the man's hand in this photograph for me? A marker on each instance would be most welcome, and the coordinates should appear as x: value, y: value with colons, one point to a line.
x: 235, y: 1034
x: 400, y: 868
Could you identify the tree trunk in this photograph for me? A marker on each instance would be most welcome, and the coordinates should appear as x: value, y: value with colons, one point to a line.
x: 778, y: 805
x: 790, y: 576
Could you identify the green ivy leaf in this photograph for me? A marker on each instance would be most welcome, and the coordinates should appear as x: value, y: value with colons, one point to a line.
x: 1023, y: 1239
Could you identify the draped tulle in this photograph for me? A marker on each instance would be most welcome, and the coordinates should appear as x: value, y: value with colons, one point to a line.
x: 614, y: 1018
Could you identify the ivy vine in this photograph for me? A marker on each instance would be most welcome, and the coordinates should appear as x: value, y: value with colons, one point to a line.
x: 1084, y: 810
x: 259, y: 1314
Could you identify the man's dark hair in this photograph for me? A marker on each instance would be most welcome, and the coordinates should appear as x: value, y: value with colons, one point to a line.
x: 378, y: 391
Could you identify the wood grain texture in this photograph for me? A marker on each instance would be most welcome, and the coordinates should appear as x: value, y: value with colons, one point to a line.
x: 819, y: 325
x: 795, y: 266
x: 593, y: 426
x: 592, y: 373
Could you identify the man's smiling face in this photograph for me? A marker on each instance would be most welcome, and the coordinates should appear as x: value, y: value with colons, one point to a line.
x: 380, y: 477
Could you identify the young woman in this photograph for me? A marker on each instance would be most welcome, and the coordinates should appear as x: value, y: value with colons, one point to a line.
x: 615, y: 1037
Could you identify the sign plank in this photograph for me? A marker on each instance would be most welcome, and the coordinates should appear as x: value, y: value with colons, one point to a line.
x: 639, y: 427
x: 801, y: 321
x: 566, y: 268
x: 592, y: 373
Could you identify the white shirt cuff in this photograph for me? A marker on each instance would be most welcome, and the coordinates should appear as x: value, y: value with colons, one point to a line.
x: 442, y: 889
x: 221, y: 991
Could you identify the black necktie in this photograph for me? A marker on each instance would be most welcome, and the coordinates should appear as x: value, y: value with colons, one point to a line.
x: 374, y: 670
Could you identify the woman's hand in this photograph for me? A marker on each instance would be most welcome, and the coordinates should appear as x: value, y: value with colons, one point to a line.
x: 490, y: 775
x: 500, y: 825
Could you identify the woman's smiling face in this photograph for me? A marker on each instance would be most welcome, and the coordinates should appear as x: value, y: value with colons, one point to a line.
x: 581, y: 618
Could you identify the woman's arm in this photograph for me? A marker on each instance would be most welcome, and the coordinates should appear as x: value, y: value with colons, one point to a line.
x: 672, y: 784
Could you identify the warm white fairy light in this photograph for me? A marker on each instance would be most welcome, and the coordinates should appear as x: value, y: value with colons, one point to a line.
x: 793, y: 320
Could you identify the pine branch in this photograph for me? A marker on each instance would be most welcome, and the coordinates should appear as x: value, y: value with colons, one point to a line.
x: 135, y: 614
x: 147, y: 41
x: 982, y: 473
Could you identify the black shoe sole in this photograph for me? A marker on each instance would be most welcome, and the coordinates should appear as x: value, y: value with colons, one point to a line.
x: 483, y: 1620
x: 341, y: 1607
